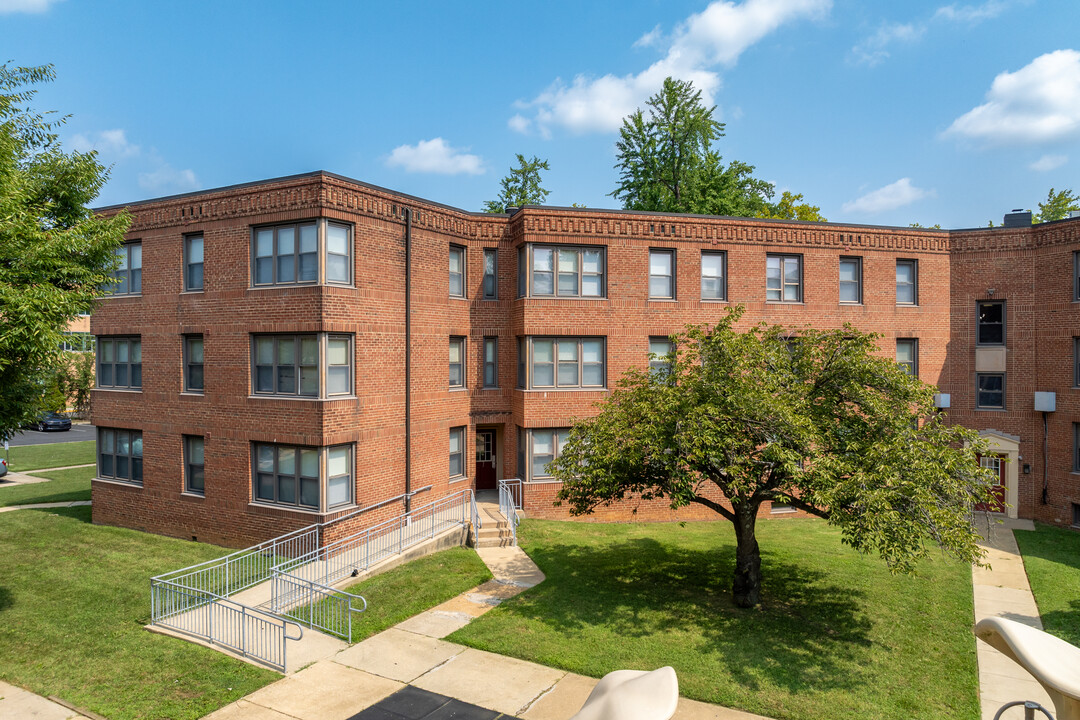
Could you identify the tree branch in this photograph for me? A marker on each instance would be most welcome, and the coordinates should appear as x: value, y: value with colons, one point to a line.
x: 804, y: 506
x: 714, y: 506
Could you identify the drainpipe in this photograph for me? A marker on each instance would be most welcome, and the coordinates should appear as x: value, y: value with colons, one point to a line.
x: 1046, y: 462
x: 408, y: 360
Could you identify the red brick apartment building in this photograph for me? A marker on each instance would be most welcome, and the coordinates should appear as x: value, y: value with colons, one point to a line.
x: 282, y: 352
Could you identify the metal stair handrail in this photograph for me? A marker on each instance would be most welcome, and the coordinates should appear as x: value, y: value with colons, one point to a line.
x: 510, y: 501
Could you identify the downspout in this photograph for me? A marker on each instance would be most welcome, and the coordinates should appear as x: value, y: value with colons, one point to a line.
x: 1046, y: 461
x: 408, y: 360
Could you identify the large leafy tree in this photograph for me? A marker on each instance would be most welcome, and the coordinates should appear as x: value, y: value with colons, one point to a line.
x: 791, y: 206
x: 818, y: 421
x: 1057, y: 206
x: 667, y: 161
x: 521, y: 187
x: 54, y: 252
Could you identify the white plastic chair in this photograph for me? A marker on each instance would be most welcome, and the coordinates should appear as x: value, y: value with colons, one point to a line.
x: 1050, y: 660
x: 633, y: 695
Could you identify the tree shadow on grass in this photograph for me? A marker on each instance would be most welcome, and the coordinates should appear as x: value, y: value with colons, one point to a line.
x: 808, y: 632
x: 1064, y: 624
x: 7, y: 599
x: 81, y: 513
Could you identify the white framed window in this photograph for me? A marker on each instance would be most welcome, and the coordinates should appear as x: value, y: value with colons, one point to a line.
x: 457, y: 452
x: 659, y: 355
x: 457, y: 362
x: 79, y: 342
x: 127, y: 277
x: 851, y: 281
x: 119, y: 362
x: 537, y: 447
x: 310, y: 478
x: 289, y: 254
x: 662, y: 274
x: 457, y: 271
x: 561, y: 363
x: 570, y: 271
x: 783, y: 278
x: 491, y: 273
x: 907, y: 282
x: 990, y: 391
x: 907, y: 355
x: 120, y: 455
x: 316, y: 365
x: 193, y: 262
x: 713, y: 275
x: 194, y: 464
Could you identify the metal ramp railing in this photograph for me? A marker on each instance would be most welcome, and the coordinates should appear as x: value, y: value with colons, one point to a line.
x: 510, y: 499
x: 196, y: 600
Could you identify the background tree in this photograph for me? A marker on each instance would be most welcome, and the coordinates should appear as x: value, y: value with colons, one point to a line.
x: 791, y: 206
x: 817, y: 421
x: 521, y: 187
x: 1057, y: 206
x: 667, y: 163
x: 54, y: 252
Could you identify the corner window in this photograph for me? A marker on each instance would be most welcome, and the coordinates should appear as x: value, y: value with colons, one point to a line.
x: 289, y: 254
x: 662, y: 274
x: 296, y: 476
x: 990, y: 391
x: 457, y: 452
x: 193, y: 262
x: 561, y: 271
x: 457, y: 362
x: 194, y: 465
x: 120, y: 455
x: 907, y: 282
x: 537, y: 448
x: 990, y: 322
x: 783, y: 278
x: 457, y: 271
x: 713, y: 276
x: 193, y: 363
x: 561, y: 363
x: 907, y: 356
x: 119, y: 362
x: 850, y: 280
x: 294, y: 365
x: 491, y: 273
x: 491, y: 362
x: 127, y: 277
x: 659, y: 351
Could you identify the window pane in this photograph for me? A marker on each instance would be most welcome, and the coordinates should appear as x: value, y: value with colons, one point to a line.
x: 489, y: 262
x: 136, y: 469
x: 455, y: 441
x: 286, y: 488
x: 265, y: 458
x: 592, y: 351
x: 455, y: 260
x: 568, y: 350
x: 195, y: 377
x: 136, y: 256
x: 286, y: 379
x: 903, y: 273
x: 309, y: 381
x: 309, y: 351
x: 568, y: 374
x: 195, y: 350
x: 309, y: 268
x: 264, y: 489
x: 136, y: 351
x: 489, y: 351
x: 136, y: 375
x: 337, y: 461
x: 309, y: 462
x: 542, y: 259
x: 195, y: 480
x: 848, y: 271
x: 195, y: 277
x: 285, y: 269
x: 337, y: 380
x: 264, y: 243
x: 456, y: 465
x: 122, y: 376
x: 122, y: 253
x: 711, y: 288
x: 122, y: 348
x: 123, y: 467
x: 791, y: 293
x: 659, y: 286
x: 107, y: 465
x: 108, y: 441
x: 337, y: 491
x: 592, y: 374
x: 195, y: 450
x: 543, y: 283
x: 264, y: 351
x: 337, y: 268
x: 592, y: 285
x: 591, y: 262
x: 286, y: 461
x: 455, y: 351
x: 337, y: 351
x: 264, y: 271
x: 791, y: 270
x: 286, y: 351
x: 264, y: 379
x: 712, y: 265
x: 660, y: 263
x: 286, y: 241
x: 195, y: 249
x: 309, y: 239
x: 337, y: 239
x: 309, y: 492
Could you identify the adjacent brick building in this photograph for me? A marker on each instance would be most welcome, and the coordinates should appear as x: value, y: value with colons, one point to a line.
x: 252, y: 361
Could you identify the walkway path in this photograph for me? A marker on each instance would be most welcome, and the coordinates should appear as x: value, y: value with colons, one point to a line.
x: 1002, y: 590
x: 34, y: 506
x: 18, y: 703
x: 415, y: 653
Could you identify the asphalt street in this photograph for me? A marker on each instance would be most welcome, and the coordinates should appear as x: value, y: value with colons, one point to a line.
x: 33, y: 437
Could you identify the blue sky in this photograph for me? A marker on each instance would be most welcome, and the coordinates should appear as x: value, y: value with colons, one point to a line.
x: 880, y: 112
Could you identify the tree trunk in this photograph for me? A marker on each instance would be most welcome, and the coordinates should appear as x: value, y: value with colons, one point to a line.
x: 747, y: 585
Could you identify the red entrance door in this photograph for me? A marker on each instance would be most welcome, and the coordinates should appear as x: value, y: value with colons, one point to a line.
x: 995, y: 463
x: 485, y: 459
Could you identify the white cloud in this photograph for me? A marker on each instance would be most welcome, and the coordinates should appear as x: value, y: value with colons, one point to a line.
x: 718, y: 35
x: 520, y: 123
x: 650, y: 39
x: 1048, y: 162
x: 874, y: 49
x: 972, y: 13
x: 112, y: 144
x: 890, y: 197
x: 1038, y: 103
x: 25, y: 6
x: 435, y: 156
x: 167, y: 179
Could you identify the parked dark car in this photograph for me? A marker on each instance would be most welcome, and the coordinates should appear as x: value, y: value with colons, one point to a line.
x: 51, y: 421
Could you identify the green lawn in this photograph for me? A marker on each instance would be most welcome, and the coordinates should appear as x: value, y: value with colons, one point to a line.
x: 35, y: 457
x: 836, y: 636
x: 1052, y: 561
x: 73, y: 601
x: 63, y: 486
x: 411, y: 588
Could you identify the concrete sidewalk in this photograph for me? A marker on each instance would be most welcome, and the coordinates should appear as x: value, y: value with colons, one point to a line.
x: 1002, y: 590
x: 415, y: 653
x: 18, y: 703
x: 38, y: 506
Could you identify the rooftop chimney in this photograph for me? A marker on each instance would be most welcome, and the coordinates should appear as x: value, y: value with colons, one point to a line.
x: 1018, y: 218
